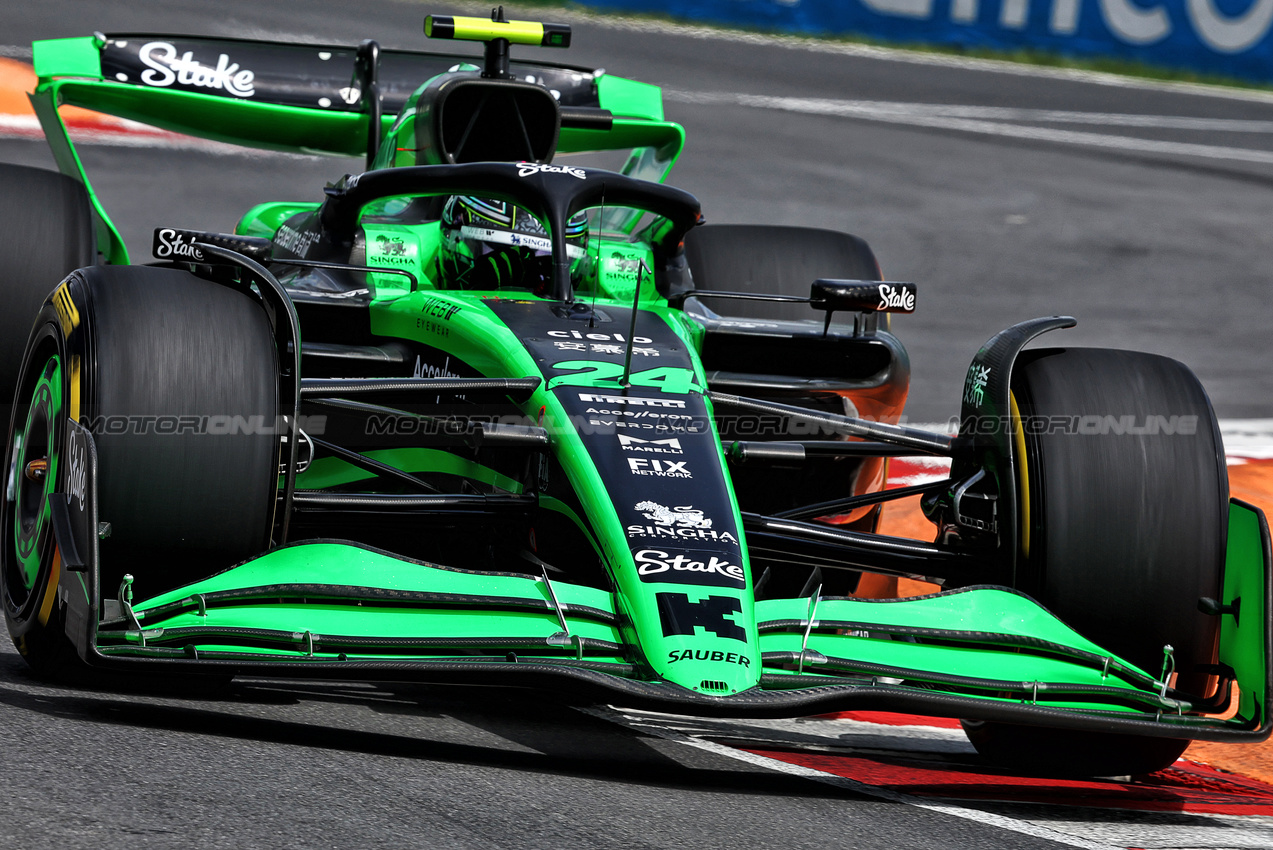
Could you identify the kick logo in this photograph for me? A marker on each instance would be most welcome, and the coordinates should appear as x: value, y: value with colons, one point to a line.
x: 679, y: 616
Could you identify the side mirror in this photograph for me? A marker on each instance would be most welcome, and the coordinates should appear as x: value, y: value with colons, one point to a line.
x: 861, y: 296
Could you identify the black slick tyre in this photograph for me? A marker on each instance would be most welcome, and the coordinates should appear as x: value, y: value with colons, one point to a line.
x: 775, y: 260
x: 47, y: 233
x: 781, y: 260
x: 1124, y: 512
x: 176, y: 378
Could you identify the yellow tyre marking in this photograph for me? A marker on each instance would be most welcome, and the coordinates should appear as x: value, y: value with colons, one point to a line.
x: 74, y: 411
x: 50, y: 589
x: 67, y: 314
x: 1023, y: 475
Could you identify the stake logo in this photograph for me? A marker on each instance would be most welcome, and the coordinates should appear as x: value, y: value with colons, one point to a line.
x: 896, y: 299
x: 171, y: 245
x: 526, y: 169
x: 167, y: 68
x: 694, y: 568
x: 77, y: 474
x: 679, y: 616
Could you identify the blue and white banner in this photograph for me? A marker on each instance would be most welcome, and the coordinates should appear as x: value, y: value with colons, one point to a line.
x: 1228, y: 37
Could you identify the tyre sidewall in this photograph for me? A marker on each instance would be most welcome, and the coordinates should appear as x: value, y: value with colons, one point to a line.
x: 22, y: 615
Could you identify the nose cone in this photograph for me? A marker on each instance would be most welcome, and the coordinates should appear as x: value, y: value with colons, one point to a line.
x: 704, y: 640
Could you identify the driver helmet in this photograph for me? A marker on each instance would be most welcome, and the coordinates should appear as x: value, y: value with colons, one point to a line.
x: 490, y: 244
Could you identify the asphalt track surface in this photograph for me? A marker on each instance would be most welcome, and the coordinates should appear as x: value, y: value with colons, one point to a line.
x: 1145, y: 215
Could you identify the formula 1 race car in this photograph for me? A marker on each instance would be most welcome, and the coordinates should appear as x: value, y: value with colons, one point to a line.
x: 487, y: 414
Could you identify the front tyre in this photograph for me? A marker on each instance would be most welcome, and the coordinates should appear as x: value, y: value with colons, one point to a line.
x: 1123, y: 505
x: 177, y: 379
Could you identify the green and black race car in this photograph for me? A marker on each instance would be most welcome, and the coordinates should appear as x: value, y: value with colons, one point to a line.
x: 485, y: 413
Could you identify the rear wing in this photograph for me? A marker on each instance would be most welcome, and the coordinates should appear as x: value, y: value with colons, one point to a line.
x: 306, y: 98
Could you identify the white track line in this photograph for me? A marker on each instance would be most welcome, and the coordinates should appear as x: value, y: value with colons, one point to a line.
x: 816, y: 44
x: 1247, y: 438
x: 924, y: 115
x: 888, y: 795
x: 1040, y: 116
x: 1243, y: 438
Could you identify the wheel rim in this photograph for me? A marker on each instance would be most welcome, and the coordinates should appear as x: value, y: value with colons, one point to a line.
x: 32, y: 477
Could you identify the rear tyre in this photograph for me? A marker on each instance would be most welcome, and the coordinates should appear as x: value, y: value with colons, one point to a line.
x: 181, y: 394
x: 1124, y: 502
x: 767, y: 259
x: 775, y: 260
x: 47, y: 234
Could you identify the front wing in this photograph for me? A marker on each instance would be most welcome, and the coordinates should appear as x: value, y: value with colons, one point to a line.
x: 331, y: 608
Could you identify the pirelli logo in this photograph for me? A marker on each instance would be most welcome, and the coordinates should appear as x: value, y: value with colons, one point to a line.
x: 68, y: 317
x: 631, y: 401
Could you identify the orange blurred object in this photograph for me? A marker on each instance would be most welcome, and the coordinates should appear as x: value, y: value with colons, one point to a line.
x: 17, y: 79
